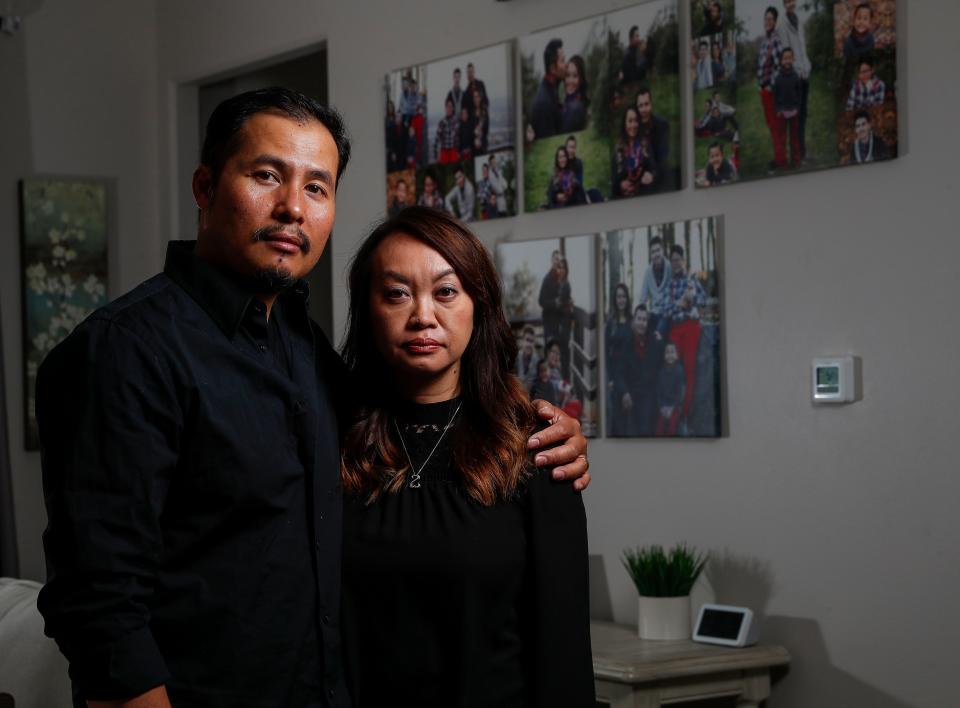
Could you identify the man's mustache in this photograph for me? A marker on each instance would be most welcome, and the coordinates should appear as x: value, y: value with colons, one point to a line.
x: 265, y: 232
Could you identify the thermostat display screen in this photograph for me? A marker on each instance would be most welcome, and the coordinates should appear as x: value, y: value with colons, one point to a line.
x: 725, y: 625
x: 828, y: 379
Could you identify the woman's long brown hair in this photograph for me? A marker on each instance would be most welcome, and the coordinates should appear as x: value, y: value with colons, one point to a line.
x: 489, y: 442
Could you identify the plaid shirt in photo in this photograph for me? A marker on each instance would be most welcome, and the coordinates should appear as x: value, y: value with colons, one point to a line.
x: 865, y: 95
x: 768, y: 59
x: 675, y: 288
x: 448, y: 134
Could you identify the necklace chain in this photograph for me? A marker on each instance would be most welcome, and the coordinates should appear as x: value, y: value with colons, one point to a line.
x: 414, y: 482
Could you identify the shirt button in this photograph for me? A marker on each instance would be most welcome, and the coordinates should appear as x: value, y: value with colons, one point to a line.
x: 326, y: 619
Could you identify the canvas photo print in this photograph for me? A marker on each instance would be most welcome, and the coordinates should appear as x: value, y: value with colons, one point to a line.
x: 662, y: 330
x: 550, y: 298
x: 451, y: 115
x: 601, y: 108
x: 781, y: 86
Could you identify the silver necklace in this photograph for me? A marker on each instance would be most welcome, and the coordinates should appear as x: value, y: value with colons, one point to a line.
x: 414, y: 482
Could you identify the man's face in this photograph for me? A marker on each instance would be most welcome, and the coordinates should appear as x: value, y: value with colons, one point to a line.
x: 571, y: 149
x: 273, y: 206
x: 448, y: 107
x: 715, y: 11
x: 862, y: 128
x: 861, y: 20
x: 769, y: 22
x: 528, y: 343
x: 670, y: 354
x: 790, y: 6
x: 456, y: 79
x: 634, y: 38
x: 865, y: 73
x: 555, y: 258
x: 644, y: 106
x: 486, y: 171
x: 676, y: 263
x: 460, y: 178
x: 560, y: 68
x: 703, y: 51
x: 471, y: 73
x: 716, y: 158
x: 402, y: 192
x: 640, y: 321
x: 656, y: 253
x: 786, y: 60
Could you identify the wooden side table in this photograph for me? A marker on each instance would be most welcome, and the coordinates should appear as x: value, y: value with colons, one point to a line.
x: 630, y: 672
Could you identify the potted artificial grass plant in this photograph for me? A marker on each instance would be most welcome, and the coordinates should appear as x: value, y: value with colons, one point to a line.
x: 664, y: 580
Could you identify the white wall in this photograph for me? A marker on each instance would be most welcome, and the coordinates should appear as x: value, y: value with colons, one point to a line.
x: 836, y: 523
x: 87, y: 106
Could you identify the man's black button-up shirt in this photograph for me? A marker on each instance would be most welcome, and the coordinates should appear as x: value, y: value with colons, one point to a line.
x: 189, y: 449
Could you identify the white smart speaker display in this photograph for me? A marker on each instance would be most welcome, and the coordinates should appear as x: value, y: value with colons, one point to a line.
x: 726, y: 625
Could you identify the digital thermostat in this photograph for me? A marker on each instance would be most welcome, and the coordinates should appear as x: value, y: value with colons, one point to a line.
x: 833, y: 379
x: 726, y: 625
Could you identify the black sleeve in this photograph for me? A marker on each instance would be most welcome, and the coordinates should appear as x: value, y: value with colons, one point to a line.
x: 558, y: 631
x: 109, y: 429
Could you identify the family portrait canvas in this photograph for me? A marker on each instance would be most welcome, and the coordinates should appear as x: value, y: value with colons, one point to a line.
x: 601, y: 108
x: 445, y: 120
x: 781, y: 86
x: 64, y: 261
x: 550, y: 298
x: 662, y: 330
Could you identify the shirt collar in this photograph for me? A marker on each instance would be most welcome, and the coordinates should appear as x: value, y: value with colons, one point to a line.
x: 221, y: 294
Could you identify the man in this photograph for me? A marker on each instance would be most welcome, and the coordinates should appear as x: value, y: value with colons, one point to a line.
x: 455, y: 94
x: 684, y: 298
x: 657, y: 131
x: 447, y: 141
x: 409, y: 99
x: 461, y: 199
x: 768, y: 64
x: 189, y: 438
x: 634, y: 64
x: 793, y: 36
x: 786, y: 104
x: 545, y: 111
x: 655, y: 283
x: 704, y: 76
x: 473, y: 83
x: 867, y: 147
x: 486, y: 200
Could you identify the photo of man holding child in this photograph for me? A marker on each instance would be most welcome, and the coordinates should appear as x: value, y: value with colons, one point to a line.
x: 662, y: 331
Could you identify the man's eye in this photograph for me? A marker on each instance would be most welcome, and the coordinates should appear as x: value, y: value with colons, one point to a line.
x: 314, y: 188
x: 265, y: 175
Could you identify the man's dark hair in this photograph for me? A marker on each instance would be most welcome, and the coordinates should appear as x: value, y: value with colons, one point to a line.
x: 633, y: 30
x: 550, y: 54
x: 715, y: 144
x: 645, y: 90
x: 527, y: 329
x: 456, y: 71
x: 864, y: 6
x: 655, y: 241
x: 785, y: 50
x: 773, y: 11
x: 704, y: 45
x: 569, y: 138
x: 223, y: 129
x: 862, y: 114
x: 676, y: 248
x: 865, y: 59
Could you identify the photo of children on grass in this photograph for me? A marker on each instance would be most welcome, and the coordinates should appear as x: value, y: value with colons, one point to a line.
x: 781, y: 86
x: 662, y: 330
x: 601, y: 108
x: 448, y: 117
x: 550, y: 298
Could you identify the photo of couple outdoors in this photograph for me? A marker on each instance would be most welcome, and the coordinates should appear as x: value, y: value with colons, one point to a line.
x: 550, y: 297
x: 449, y: 135
x: 662, y: 331
x: 601, y: 108
x: 783, y: 85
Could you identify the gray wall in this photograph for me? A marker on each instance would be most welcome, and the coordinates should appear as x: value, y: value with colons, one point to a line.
x: 836, y: 523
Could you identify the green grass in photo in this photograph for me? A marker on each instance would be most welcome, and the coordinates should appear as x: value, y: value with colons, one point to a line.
x: 593, y: 150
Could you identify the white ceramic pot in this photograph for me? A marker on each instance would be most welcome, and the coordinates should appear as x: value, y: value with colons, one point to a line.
x: 664, y: 617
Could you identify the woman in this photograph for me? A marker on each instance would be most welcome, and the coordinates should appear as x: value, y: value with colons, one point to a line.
x: 481, y: 123
x: 617, y: 338
x: 564, y: 189
x: 450, y: 578
x: 576, y: 100
x: 465, y: 134
x: 716, y: 63
x: 634, y: 170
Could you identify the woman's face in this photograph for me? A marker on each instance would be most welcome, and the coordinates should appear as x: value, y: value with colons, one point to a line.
x: 631, y: 123
x: 621, y: 300
x: 420, y: 314
x: 715, y: 51
x: 428, y: 185
x: 562, y: 158
x: 477, y: 99
x: 572, y: 80
x: 562, y: 270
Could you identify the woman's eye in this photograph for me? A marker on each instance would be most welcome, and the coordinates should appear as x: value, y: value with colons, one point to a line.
x: 447, y: 291
x: 395, y: 293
